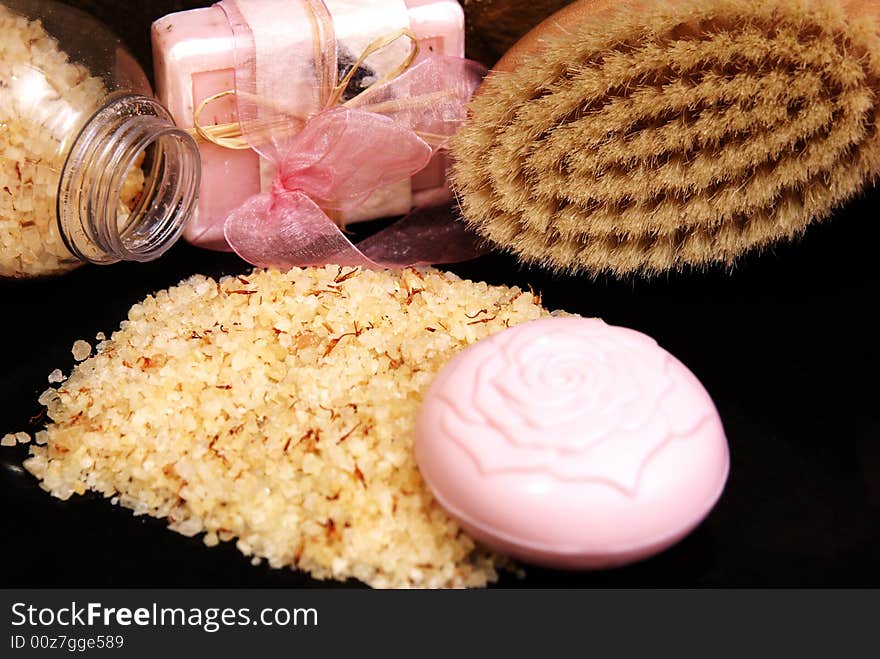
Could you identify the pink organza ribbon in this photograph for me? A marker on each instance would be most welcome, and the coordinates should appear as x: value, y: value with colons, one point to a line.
x: 332, y: 158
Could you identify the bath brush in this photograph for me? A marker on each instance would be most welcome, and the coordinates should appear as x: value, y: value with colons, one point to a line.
x: 649, y: 135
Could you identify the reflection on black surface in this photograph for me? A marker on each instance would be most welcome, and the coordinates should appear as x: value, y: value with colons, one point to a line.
x: 13, y: 468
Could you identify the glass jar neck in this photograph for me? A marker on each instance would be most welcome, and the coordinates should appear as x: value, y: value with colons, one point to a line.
x: 103, y: 215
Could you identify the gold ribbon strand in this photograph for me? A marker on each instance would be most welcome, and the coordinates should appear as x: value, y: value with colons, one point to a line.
x: 230, y: 136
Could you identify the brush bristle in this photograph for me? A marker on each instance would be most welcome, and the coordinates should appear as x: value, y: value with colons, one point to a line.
x: 679, y: 135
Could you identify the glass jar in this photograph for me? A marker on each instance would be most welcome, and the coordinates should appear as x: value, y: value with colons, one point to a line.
x: 92, y: 168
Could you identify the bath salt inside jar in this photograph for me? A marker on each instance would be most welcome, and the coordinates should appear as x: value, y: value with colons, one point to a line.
x: 92, y: 168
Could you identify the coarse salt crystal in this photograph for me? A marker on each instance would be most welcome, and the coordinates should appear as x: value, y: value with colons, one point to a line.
x: 311, y: 464
x: 81, y: 350
x: 47, y: 397
x: 56, y: 376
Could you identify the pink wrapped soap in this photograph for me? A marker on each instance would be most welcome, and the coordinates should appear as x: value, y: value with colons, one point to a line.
x: 194, y: 55
x: 571, y: 443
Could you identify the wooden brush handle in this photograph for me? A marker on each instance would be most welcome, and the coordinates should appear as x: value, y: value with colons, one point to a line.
x: 581, y: 10
x: 493, y: 26
x: 861, y: 7
x: 557, y: 25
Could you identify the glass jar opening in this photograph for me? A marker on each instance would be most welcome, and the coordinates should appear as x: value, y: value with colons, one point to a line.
x: 129, y: 184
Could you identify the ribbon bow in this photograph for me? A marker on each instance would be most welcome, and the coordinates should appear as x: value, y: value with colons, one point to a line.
x: 330, y: 156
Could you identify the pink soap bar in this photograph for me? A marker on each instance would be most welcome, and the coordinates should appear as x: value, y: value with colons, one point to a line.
x: 571, y: 443
x: 193, y: 54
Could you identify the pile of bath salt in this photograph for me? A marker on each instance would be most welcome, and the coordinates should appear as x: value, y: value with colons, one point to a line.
x: 277, y: 409
x: 43, y: 97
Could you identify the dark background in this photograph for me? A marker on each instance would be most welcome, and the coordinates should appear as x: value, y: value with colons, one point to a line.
x: 784, y: 342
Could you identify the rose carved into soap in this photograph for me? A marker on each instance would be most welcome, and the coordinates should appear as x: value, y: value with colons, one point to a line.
x: 572, y: 442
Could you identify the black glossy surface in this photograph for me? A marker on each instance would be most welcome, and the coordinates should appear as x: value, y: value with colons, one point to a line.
x: 785, y: 343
